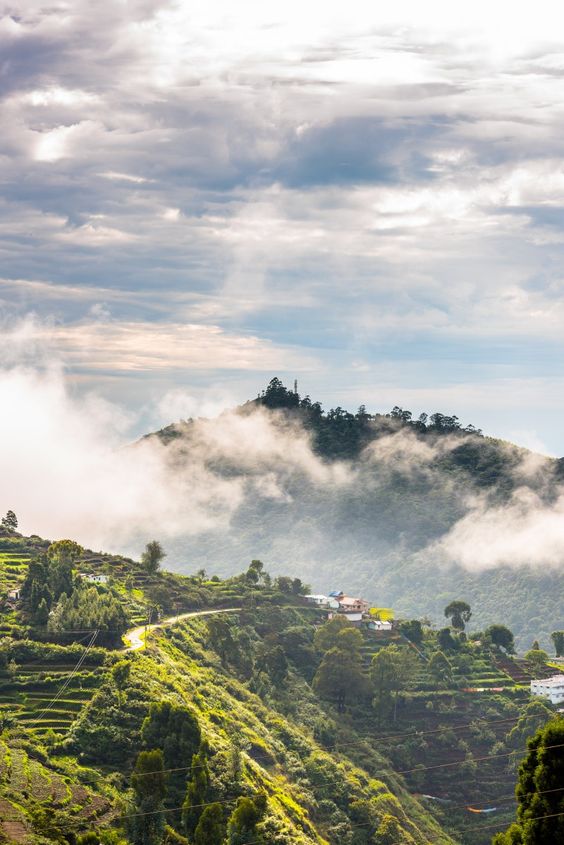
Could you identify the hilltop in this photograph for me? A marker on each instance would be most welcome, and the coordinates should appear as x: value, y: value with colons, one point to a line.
x: 410, y: 510
x: 283, y: 710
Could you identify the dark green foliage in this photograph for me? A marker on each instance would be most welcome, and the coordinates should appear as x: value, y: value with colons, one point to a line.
x: 120, y: 674
x: 10, y: 521
x: 540, y: 811
x: 557, y: 638
x: 197, y: 790
x: 440, y: 669
x: 221, y: 639
x: 152, y: 556
x: 211, y: 826
x: 500, y: 636
x: 459, y: 613
x: 446, y: 641
x: 537, y: 657
x: 273, y: 661
x: 412, y: 630
x: 392, y: 670
x: 176, y: 731
x: 340, y: 676
x: 326, y: 636
x: 244, y: 819
x: 149, y: 784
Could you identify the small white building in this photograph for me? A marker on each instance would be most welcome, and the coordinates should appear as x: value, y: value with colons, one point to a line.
x: 551, y: 688
x: 96, y: 579
x: 321, y: 601
x: 355, y: 618
x: 380, y: 625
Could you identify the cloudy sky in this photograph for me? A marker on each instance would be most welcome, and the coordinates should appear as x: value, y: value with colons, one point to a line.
x: 198, y: 196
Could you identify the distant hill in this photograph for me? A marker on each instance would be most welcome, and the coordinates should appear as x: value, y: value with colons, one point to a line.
x: 373, y: 498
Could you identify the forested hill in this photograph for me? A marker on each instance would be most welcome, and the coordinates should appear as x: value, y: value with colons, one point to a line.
x: 413, y: 512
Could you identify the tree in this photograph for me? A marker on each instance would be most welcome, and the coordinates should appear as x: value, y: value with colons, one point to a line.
x: 41, y: 616
x: 275, y: 664
x: 10, y: 521
x: 537, y: 657
x: 149, y: 785
x: 412, y: 630
x: 501, y: 637
x: 446, y: 641
x: 340, y: 675
x: 221, y: 638
x: 64, y: 551
x: 557, y: 638
x: 325, y: 637
x: 440, y: 668
x: 244, y: 819
x: 283, y: 584
x: 210, y: 830
x: 197, y: 790
x: 391, y: 671
x: 540, y: 819
x: 176, y: 731
x: 120, y: 674
x: 459, y: 613
x: 152, y: 556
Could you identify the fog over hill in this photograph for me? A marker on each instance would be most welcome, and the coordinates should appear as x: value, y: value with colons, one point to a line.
x: 411, y: 513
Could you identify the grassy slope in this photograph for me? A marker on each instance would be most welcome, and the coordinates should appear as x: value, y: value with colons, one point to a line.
x: 43, y: 755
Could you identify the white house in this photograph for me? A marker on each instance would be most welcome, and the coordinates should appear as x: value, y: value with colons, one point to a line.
x: 96, y: 579
x: 321, y: 601
x: 551, y: 688
x: 355, y: 618
x: 379, y: 625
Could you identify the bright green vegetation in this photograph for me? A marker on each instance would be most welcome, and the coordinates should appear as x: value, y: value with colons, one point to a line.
x: 259, y: 723
x: 413, y: 480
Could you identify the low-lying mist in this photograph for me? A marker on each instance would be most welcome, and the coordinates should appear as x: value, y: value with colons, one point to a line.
x: 67, y: 469
x: 405, y: 523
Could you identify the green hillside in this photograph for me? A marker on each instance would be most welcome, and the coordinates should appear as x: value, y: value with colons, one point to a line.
x: 413, y: 480
x: 254, y: 705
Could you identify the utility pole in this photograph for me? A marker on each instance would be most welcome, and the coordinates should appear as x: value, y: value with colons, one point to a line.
x: 295, y: 386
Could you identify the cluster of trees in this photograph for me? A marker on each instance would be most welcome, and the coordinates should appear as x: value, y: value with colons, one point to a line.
x: 10, y: 521
x: 339, y: 433
x: 86, y: 608
x: 49, y: 577
x: 55, y: 599
x: 172, y: 736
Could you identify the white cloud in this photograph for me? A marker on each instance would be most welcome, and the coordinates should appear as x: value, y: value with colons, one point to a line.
x: 525, y: 532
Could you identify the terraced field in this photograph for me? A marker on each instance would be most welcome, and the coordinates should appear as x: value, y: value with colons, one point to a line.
x: 22, y: 777
x: 34, y: 695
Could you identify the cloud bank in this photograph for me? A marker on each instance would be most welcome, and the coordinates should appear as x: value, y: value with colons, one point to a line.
x: 370, y: 190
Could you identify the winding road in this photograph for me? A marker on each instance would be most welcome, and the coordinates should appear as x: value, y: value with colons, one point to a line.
x: 135, y: 639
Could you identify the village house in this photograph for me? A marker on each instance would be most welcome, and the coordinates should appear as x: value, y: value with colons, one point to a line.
x: 319, y: 600
x: 379, y: 625
x: 551, y: 688
x: 95, y: 579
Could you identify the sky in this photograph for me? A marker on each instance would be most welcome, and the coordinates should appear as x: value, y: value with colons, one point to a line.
x: 196, y: 197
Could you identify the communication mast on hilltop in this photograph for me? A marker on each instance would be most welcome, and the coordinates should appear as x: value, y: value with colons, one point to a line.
x: 295, y: 386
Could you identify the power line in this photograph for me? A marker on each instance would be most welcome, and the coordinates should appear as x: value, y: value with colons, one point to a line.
x: 66, y: 683
x: 473, y: 759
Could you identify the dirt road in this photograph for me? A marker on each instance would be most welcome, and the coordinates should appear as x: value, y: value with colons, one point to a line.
x: 135, y: 638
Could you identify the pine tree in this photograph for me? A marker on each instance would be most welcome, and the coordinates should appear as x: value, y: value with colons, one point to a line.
x: 211, y: 827
x: 197, y: 790
x: 540, y: 811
